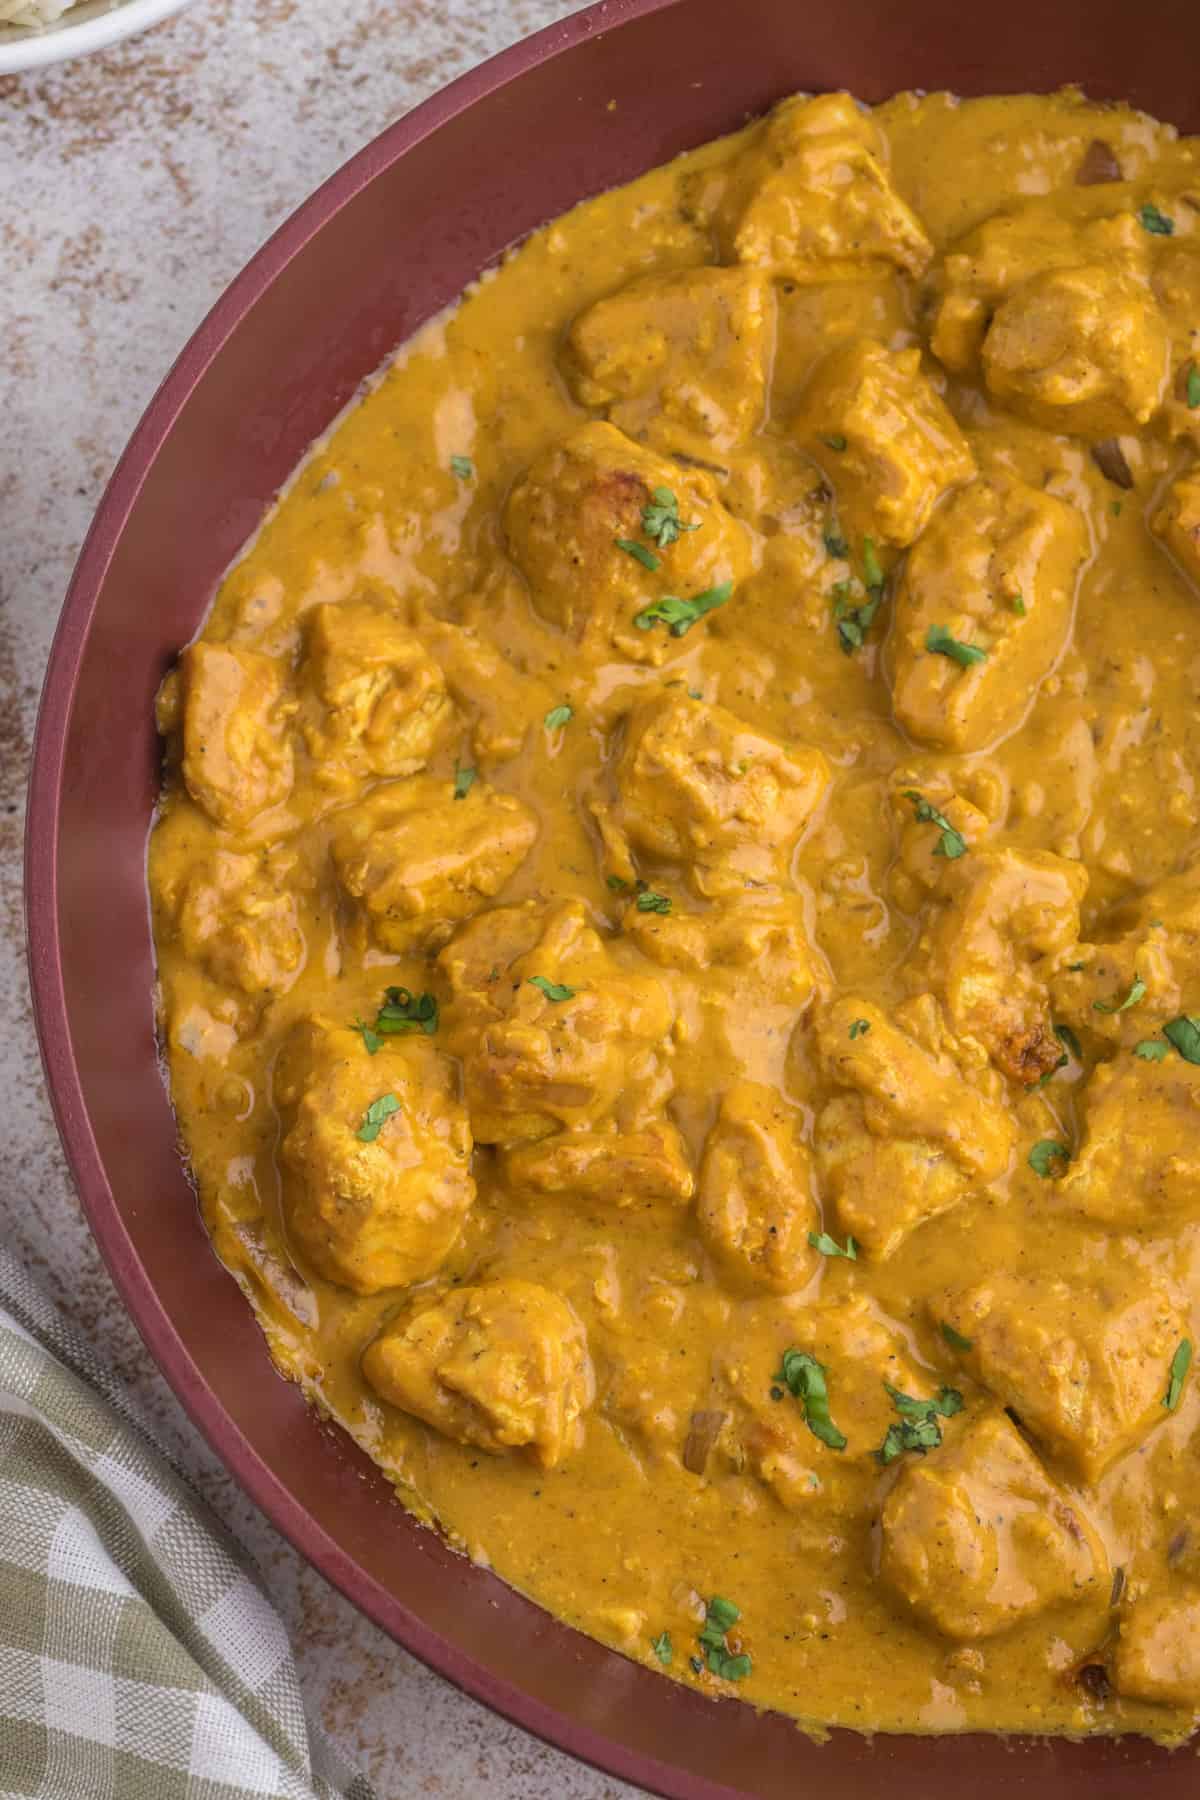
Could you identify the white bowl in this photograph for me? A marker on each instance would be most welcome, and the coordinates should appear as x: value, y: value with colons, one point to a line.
x: 93, y: 26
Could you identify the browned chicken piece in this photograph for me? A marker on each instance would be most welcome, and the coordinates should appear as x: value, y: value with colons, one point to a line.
x: 374, y: 1157
x: 377, y: 703
x: 700, y: 788
x: 982, y: 611
x: 885, y: 441
x: 977, y: 1538
x: 1002, y: 920
x: 572, y: 517
x: 678, y: 359
x: 415, y: 864
x: 1139, y: 1161
x: 757, y: 1203
x: 1083, y: 1364
x: 618, y: 1168
x: 1144, y: 971
x: 1177, y: 521
x: 555, y: 1026
x: 1157, y: 1656
x: 759, y: 935
x: 503, y: 1366
x: 235, y: 915
x: 237, y: 753
x: 810, y: 198
x: 919, y: 1124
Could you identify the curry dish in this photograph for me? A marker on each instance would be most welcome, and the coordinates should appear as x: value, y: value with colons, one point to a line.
x: 678, y: 906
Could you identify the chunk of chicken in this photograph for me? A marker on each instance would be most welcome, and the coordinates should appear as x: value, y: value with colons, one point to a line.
x: 1005, y: 916
x: 554, y: 1025
x: 993, y: 582
x: 810, y: 199
x: 375, y: 1156
x: 862, y: 1353
x: 1158, y: 1651
x: 1080, y: 350
x: 414, y: 864
x: 885, y: 441
x: 922, y: 1124
x: 1177, y: 520
x: 678, y: 359
x: 569, y: 514
x: 1139, y: 1163
x: 622, y: 1169
x: 502, y: 1366
x: 699, y: 787
x: 756, y: 1204
x: 762, y: 933
x: 1153, y: 956
x: 977, y: 1538
x: 1083, y: 1364
x: 378, y: 703
x: 235, y: 916
x: 237, y: 756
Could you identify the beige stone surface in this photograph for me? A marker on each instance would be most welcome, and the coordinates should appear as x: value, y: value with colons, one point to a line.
x: 133, y: 186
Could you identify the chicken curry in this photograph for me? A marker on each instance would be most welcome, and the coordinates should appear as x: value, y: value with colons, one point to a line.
x: 678, y: 905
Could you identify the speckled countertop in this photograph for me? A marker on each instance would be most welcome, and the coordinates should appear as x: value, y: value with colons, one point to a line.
x: 133, y: 186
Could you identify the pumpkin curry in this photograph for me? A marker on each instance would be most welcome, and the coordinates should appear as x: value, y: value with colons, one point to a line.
x: 678, y: 905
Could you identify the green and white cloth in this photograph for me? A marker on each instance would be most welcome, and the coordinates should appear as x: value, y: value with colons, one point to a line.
x: 139, y: 1657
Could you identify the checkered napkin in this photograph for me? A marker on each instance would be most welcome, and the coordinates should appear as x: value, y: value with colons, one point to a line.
x: 139, y: 1659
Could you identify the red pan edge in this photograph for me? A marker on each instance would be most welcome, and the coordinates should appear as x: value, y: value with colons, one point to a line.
x: 588, y: 1701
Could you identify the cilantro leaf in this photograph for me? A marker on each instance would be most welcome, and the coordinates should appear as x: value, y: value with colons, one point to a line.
x: 829, y: 1246
x: 402, y: 1013
x: 836, y: 546
x: 955, y: 1339
x: 734, y: 1668
x: 1018, y: 605
x: 943, y: 643
x: 680, y: 615
x: 1155, y: 222
x: 660, y: 518
x: 553, y: 990
x: 853, y: 622
x: 1193, y: 386
x: 1044, y: 1153
x: 723, y: 1613
x: 917, y: 1428
x: 804, y: 1377
x: 661, y: 1646
x: 650, y: 902
x: 617, y: 883
x: 639, y: 553
x: 1136, y: 992
x: 859, y: 1028
x: 835, y: 441
x: 873, y: 576
x: 1184, y: 1033
x: 1151, y: 1049
x: 1069, y: 1041
x: 558, y: 716
x: 1181, y: 1362
x: 952, y: 844
x: 372, y: 1040
x: 463, y: 781
x: 463, y: 467
x: 376, y: 1117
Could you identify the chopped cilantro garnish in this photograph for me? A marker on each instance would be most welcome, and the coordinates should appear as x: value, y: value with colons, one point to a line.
x: 733, y: 1668
x: 944, y: 643
x: 836, y: 546
x: 719, y: 1619
x: 1044, y: 1153
x: 873, y: 576
x: 463, y: 779
x: 955, y: 1339
x: 853, y: 622
x: 463, y: 467
x: 553, y: 990
x: 376, y: 1116
x: 371, y: 1039
x: 558, y: 716
x: 639, y: 553
x: 1067, y: 1038
x: 617, y: 883
x: 1018, y: 605
x: 1136, y: 992
x: 1155, y: 222
x: 1184, y: 1033
x: 859, y: 1028
x: 660, y: 518
x: 952, y: 844
x: 649, y: 901
x: 1193, y: 386
x: 401, y: 1013
x: 1151, y: 1049
x: 723, y: 1613
x: 917, y: 1428
x: 835, y: 441
x: 680, y: 615
x: 829, y: 1246
x: 1181, y: 1362
x: 804, y: 1377
x: 661, y: 1646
